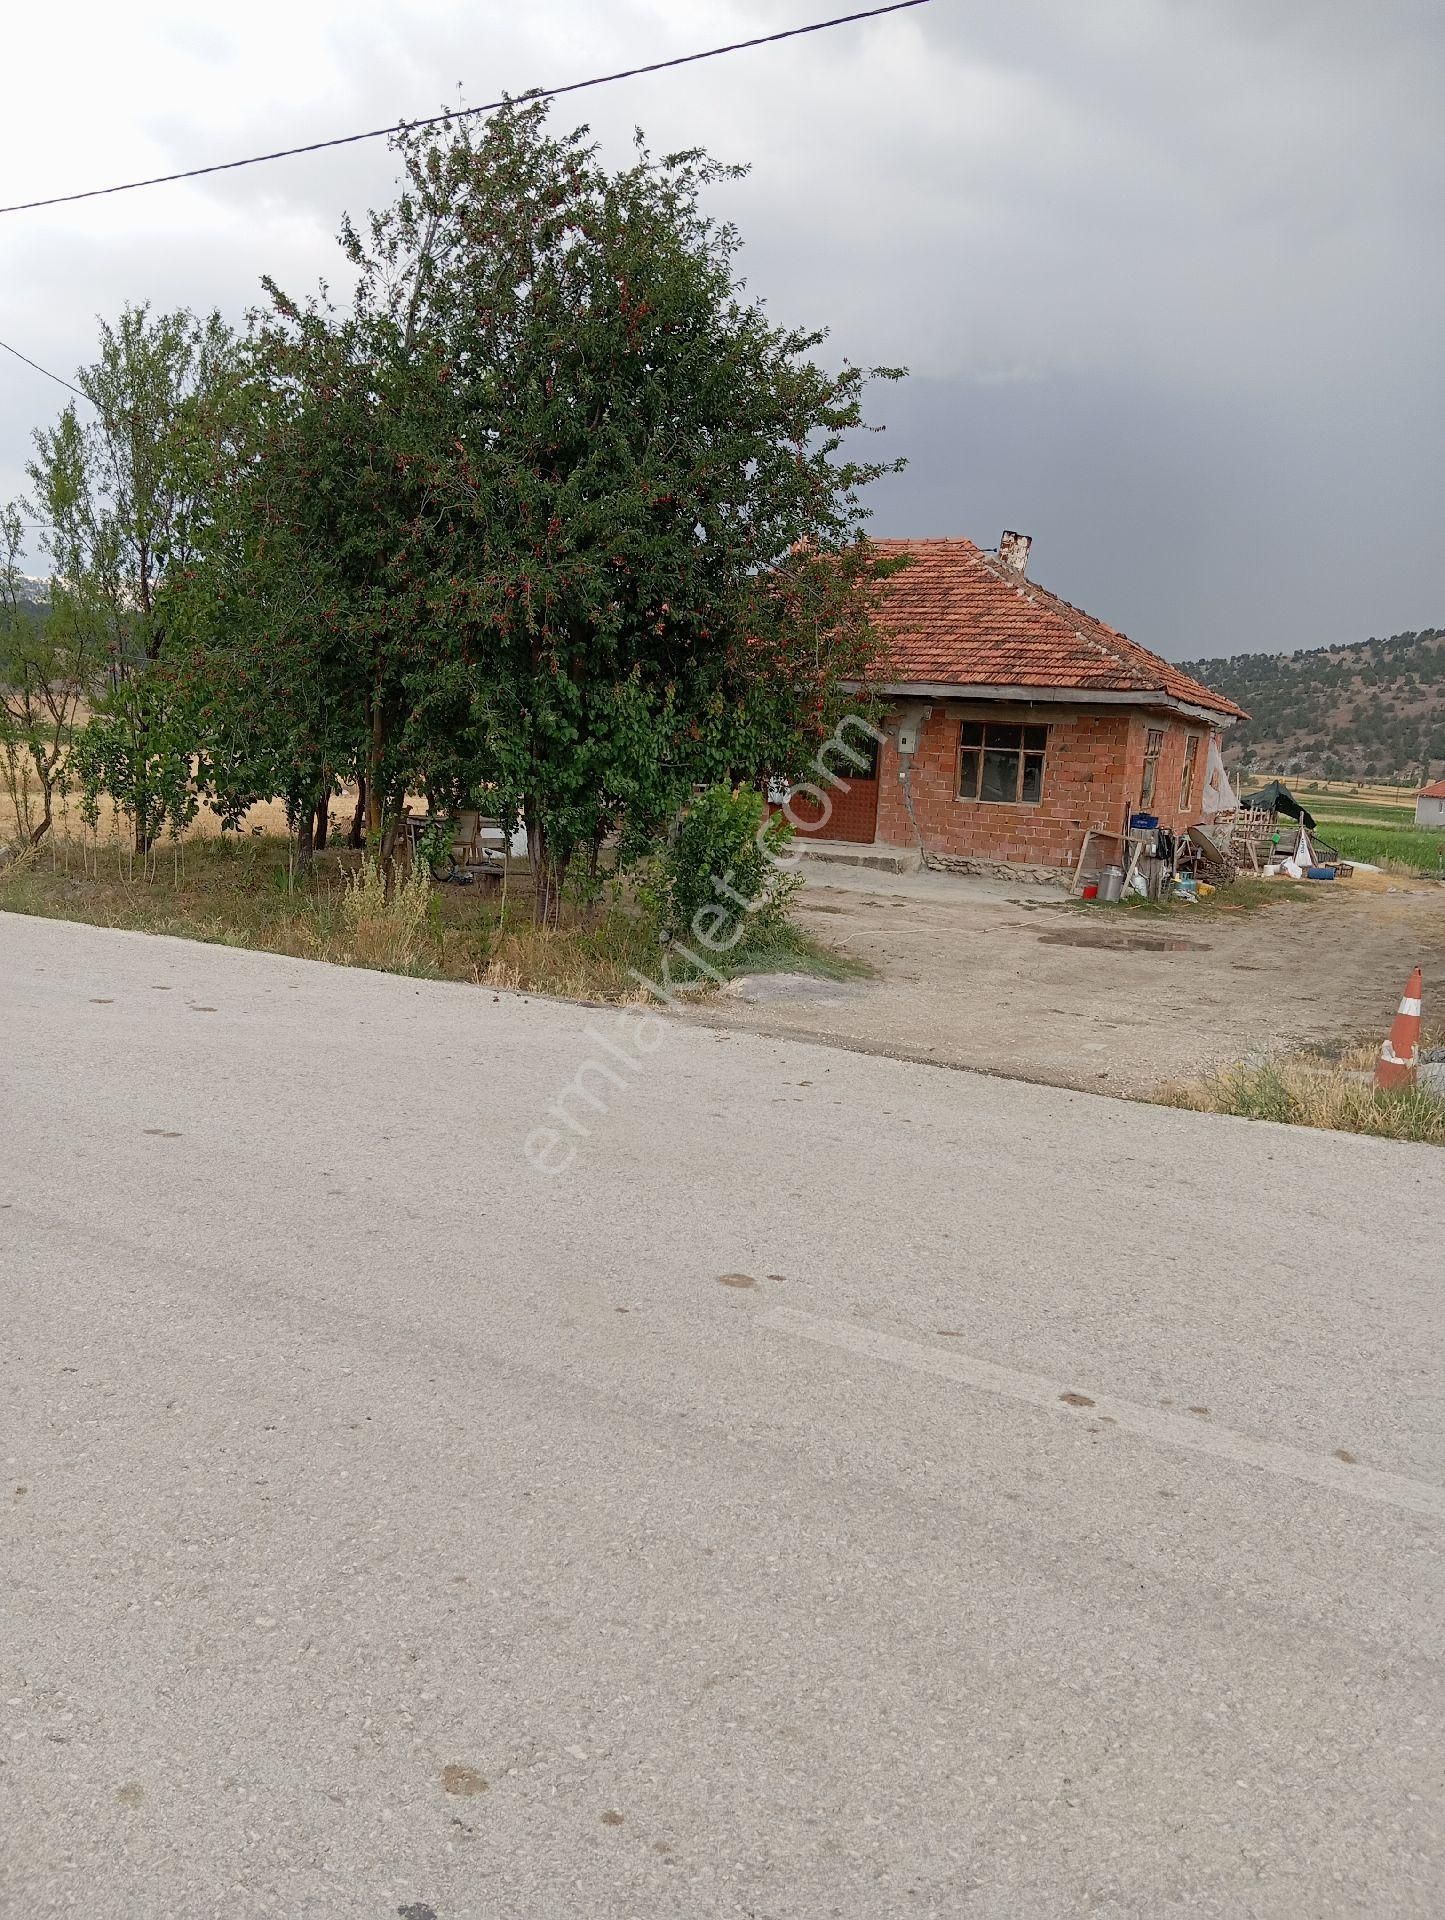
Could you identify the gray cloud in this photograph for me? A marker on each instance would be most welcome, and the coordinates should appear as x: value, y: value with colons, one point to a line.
x: 1169, y: 276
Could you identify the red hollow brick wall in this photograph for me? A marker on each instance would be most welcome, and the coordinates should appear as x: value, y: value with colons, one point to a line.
x: 1093, y: 772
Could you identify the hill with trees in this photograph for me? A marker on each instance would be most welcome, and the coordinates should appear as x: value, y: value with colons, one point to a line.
x: 1374, y: 710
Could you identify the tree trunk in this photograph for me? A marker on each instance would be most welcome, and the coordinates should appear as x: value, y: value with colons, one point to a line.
x: 39, y: 831
x: 549, y: 872
x: 357, y: 835
x: 373, y: 771
x: 305, y: 836
x: 323, y: 822
x: 141, y: 794
x: 388, y: 846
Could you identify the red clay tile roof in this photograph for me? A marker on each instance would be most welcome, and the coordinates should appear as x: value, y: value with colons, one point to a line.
x: 1435, y: 791
x: 957, y: 616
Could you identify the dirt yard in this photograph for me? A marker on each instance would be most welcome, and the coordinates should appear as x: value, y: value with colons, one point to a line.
x: 1017, y: 981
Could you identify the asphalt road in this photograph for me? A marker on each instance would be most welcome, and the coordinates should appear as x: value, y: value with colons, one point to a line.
x: 391, y: 1528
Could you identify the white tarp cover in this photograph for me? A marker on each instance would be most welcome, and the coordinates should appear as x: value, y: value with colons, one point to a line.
x: 1218, y: 793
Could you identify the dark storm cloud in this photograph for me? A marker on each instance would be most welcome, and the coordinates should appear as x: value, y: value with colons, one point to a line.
x: 1168, y: 277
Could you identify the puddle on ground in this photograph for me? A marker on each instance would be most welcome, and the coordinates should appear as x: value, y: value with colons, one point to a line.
x: 1119, y: 942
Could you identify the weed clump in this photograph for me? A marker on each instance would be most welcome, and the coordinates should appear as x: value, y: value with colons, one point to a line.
x: 386, y: 923
x: 1332, y: 1098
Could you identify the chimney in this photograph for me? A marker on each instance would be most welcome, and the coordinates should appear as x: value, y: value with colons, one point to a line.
x: 1013, y: 550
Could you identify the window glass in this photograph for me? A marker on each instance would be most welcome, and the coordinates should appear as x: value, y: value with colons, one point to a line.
x: 856, y: 760
x: 1001, y: 763
x: 1000, y: 775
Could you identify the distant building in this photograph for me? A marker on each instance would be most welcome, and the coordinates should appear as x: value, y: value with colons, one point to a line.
x: 1430, y: 805
x: 1017, y: 722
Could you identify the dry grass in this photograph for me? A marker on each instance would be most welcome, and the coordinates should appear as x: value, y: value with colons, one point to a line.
x: 267, y: 820
x: 386, y: 923
x: 1298, y: 1095
x: 245, y: 892
x: 1329, y: 1088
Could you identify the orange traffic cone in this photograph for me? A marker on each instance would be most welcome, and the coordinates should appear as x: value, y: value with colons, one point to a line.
x: 1400, y: 1054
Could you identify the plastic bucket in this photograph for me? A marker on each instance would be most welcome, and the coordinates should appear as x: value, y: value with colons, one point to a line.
x: 1111, y: 884
x: 1090, y: 892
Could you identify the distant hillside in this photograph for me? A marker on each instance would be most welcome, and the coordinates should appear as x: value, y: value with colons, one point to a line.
x: 1374, y: 711
x: 33, y: 592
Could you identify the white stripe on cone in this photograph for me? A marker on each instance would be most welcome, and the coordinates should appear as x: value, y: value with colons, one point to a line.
x: 1411, y: 1007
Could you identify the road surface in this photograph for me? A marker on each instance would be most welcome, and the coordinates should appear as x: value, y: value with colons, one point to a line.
x: 839, y: 1488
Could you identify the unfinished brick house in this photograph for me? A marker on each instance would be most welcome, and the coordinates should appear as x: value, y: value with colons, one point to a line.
x: 1016, y: 721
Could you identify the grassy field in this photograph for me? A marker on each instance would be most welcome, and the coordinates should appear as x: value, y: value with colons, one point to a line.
x: 1407, y: 849
x: 1331, y: 806
x: 1374, y: 823
x: 245, y: 893
x: 1344, y: 795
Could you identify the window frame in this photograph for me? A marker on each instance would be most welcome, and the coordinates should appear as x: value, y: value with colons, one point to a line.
x: 1186, y: 778
x: 1153, y: 752
x: 976, y: 752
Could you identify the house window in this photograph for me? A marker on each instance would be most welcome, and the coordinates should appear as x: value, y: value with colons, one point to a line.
x: 1186, y: 784
x: 1004, y: 764
x: 1153, y: 747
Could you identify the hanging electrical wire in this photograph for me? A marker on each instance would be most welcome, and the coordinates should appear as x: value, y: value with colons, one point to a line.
x: 463, y: 113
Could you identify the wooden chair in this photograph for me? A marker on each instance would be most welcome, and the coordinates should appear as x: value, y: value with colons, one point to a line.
x: 479, y: 845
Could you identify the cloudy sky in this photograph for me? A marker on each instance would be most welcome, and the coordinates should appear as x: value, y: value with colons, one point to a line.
x: 1168, y: 274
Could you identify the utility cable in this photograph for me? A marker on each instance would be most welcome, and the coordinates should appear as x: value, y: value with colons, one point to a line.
x: 45, y: 370
x: 463, y: 113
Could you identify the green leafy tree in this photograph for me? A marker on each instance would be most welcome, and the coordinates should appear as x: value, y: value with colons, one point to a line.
x: 553, y: 513
x: 45, y: 669
x: 127, y: 488
x: 309, y: 660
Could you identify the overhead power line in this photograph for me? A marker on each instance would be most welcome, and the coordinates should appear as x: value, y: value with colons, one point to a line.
x: 45, y: 370
x: 463, y: 113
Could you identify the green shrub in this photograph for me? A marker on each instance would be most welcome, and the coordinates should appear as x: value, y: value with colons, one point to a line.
x: 720, y: 880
